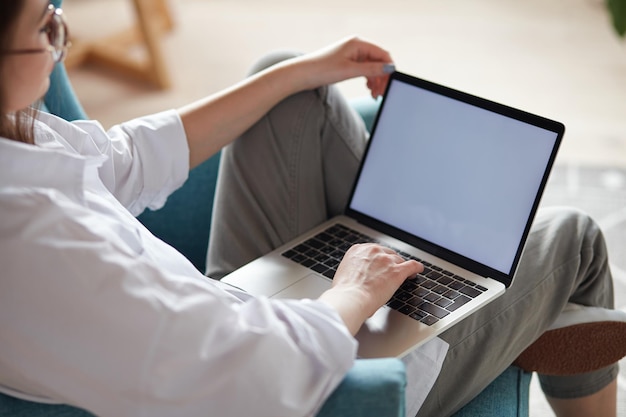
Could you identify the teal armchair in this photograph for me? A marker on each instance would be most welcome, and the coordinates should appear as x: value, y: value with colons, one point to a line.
x: 372, y: 388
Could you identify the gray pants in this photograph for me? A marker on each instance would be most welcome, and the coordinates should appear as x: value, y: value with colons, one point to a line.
x: 294, y: 169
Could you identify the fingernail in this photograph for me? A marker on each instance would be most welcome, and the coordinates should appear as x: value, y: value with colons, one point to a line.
x: 389, y: 68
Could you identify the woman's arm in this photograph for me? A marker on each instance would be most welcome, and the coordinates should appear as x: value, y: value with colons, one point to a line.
x: 215, y: 121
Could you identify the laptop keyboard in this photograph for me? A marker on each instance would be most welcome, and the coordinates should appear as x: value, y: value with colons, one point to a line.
x: 428, y: 298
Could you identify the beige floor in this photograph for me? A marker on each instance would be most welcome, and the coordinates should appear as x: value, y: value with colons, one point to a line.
x: 558, y: 58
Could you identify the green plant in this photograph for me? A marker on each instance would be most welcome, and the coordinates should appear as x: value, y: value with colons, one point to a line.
x: 617, y: 9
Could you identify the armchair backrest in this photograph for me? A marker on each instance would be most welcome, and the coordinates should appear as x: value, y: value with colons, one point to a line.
x: 61, y: 99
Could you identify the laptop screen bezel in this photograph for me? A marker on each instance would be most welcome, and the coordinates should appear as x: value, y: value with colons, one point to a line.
x: 551, y: 125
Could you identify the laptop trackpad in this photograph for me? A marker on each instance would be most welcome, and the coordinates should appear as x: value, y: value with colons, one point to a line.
x: 311, y: 286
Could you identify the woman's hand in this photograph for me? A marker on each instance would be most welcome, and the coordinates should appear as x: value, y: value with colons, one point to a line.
x: 349, y: 58
x: 215, y: 121
x: 366, y: 279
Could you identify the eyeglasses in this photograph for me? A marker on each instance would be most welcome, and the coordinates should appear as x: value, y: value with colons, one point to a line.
x: 58, y: 36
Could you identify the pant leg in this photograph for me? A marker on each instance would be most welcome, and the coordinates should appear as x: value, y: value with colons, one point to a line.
x: 565, y: 260
x: 288, y: 173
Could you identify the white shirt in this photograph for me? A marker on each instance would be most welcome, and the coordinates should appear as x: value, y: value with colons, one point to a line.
x: 98, y: 313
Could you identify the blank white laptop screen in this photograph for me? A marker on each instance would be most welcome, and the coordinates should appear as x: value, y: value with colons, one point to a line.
x: 420, y: 136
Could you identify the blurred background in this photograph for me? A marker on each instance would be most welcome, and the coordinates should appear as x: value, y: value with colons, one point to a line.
x: 561, y: 59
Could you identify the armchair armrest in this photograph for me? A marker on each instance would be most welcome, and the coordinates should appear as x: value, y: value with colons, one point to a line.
x: 372, y: 388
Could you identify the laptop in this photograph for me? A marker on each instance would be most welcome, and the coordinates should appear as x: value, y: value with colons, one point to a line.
x: 447, y: 178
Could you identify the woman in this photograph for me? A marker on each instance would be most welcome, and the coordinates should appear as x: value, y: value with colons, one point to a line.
x: 98, y: 313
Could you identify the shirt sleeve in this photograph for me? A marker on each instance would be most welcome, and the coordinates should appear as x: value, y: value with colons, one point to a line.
x: 87, y: 320
x: 148, y: 157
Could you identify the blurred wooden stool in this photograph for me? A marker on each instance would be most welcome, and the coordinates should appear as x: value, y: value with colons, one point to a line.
x: 135, y: 52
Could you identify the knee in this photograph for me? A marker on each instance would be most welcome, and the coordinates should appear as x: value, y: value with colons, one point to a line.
x: 570, y: 218
x: 581, y: 221
x: 582, y: 227
x: 272, y: 58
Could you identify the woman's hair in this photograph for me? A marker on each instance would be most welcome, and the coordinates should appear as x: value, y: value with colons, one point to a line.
x: 18, y: 125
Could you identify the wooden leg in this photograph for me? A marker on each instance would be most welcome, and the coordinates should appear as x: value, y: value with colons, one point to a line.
x: 119, y: 51
x: 150, y: 22
x: 162, y: 10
